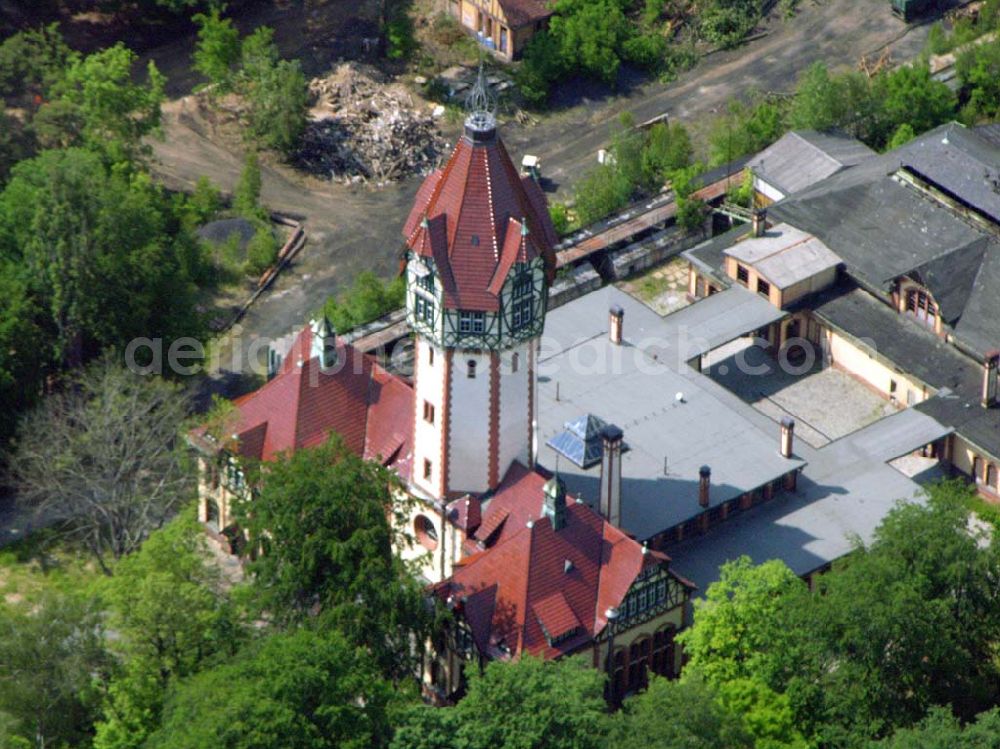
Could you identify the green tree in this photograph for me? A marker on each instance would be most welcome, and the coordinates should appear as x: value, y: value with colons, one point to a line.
x: 590, y: 35
x: 600, y: 192
x: 726, y: 22
x: 296, y: 690
x: 32, y: 61
x: 733, y: 630
x: 671, y: 714
x: 22, y: 361
x: 262, y: 250
x: 113, y: 112
x: 276, y: 91
x: 279, y: 99
x: 246, y: 196
x: 51, y: 659
x: 667, y: 148
x: 904, y: 134
x: 528, y: 704
x: 745, y: 129
x: 218, y: 49
x: 369, y: 298
x: 978, y: 71
x: 690, y: 210
x: 168, y: 610
x: 909, y: 96
x: 112, y: 493
x: 100, y: 253
x: 823, y: 101
x: 942, y: 730
x: 541, y: 65
x: 327, y: 519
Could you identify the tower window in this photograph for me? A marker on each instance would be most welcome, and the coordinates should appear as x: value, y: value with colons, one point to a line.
x: 430, y: 356
x: 471, y: 322
x: 426, y: 282
x: 471, y: 373
x: 427, y: 469
x: 514, y: 361
x: 523, y: 286
x: 523, y: 312
x: 428, y: 412
x: 423, y: 309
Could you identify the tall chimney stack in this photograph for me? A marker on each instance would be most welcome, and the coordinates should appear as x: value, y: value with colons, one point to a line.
x: 611, y: 474
x: 758, y: 221
x: 787, y: 446
x: 989, y: 395
x: 616, y: 316
x: 704, y: 485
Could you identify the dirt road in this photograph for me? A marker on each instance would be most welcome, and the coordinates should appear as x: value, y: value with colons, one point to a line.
x: 352, y: 228
x: 835, y: 31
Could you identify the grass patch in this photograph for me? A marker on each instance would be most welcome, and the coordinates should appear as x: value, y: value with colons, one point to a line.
x: 983, y: 509
x: 43, y: 563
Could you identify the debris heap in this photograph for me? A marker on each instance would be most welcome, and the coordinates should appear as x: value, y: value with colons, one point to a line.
x: 365, y: 129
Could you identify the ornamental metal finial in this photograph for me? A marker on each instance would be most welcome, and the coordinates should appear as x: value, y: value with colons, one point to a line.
x: 481, y: 106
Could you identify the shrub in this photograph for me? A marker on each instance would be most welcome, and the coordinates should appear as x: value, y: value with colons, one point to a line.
x: 262, y: 250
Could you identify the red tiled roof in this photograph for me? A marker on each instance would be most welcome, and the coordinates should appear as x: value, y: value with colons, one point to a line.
x: 519, y: 498
x: 468, y: 217
x: 369, y: 407
x: 523, y: 583
x: 465, y: 513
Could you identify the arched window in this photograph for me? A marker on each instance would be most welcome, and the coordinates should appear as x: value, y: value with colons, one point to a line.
x: 619, y: 675
x: 514, y: 361
x: 921, y: 306
x: 471, y: 373
x: 663, y: 652
x: 211, y: 511
x: 638, y: 662
x: 426, y: 533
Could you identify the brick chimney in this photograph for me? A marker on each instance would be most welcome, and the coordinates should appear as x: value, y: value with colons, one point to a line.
x: 611, y: 474
x: 616, y: 316
x: 554, y: 503
x: 704, y: 485
x: 758, y: 221
x: 787, y: 443
x: 989, y: 394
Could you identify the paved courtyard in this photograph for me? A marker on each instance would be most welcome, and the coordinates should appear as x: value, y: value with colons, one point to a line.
x: 662, y: 288
x: 827, y: 404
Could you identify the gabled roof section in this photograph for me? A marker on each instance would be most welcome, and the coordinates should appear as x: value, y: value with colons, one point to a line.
x: 523, y: 12
x: 476, y: 217
x: 521, y: 596
x: 802, y: 158
x: 303, y: 404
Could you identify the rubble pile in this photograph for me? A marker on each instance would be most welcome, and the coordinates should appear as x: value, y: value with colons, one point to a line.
x: 364, y: 129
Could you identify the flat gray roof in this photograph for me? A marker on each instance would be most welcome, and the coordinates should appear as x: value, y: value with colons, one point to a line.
x: 716, y: 320
x: 785, y: 255
x: 635, y: 386
x: 844, y: 492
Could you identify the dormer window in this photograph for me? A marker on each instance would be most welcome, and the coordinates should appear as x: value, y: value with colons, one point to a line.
x: 423, y: 309
x: 920, y: 305
x: 471, y: 323
x: 523, y: 313
x: 426, y: 281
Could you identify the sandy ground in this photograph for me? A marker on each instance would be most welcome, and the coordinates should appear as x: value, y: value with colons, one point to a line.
x: 356, y: 228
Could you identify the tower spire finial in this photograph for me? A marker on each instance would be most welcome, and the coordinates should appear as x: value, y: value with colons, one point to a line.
x: 481, y: 106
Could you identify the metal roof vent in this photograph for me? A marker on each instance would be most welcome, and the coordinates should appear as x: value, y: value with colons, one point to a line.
x: 568, y: 566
